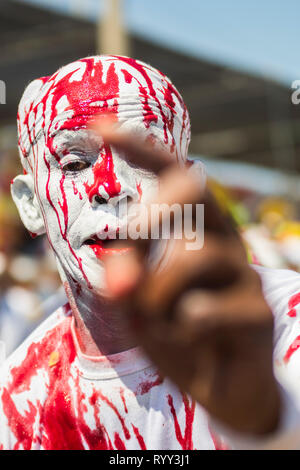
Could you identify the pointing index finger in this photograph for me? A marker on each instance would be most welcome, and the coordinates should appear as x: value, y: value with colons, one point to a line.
x: 138, y: 151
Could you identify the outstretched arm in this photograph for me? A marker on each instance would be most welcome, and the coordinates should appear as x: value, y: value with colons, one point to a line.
x: 203, y: 318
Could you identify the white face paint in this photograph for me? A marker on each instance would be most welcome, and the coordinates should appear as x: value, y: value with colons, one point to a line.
x: 79, y: 182
x: 80, y: 195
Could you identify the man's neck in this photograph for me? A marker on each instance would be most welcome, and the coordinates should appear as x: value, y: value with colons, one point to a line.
x: 100, y: 330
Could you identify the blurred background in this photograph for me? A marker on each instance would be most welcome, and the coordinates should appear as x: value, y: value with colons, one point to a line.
x: 234, y: 63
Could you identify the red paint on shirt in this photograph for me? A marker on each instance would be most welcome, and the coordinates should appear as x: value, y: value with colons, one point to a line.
x: 145, y: 386
x: 293, y: 348
x: 119, y: 444
x: 185, y: 440
x: 123, y: 400
x: 293, y: 302
x: 139, y: 438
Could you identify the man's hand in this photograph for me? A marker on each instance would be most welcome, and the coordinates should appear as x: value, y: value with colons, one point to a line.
x: 202, y: 318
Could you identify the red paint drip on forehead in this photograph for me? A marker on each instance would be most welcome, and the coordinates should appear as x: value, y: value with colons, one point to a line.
x: 90, y: 89
x: 168, y: 123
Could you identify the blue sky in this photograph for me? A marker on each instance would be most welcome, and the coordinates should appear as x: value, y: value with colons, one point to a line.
x: 259, y: 36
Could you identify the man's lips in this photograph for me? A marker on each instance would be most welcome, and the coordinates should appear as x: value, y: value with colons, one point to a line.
x: 103, y: 247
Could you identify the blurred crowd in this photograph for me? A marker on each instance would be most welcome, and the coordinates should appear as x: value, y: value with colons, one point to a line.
x: 30, y: 288
x: 270, y: 226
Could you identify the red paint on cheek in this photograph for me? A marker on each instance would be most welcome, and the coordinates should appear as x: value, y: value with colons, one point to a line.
x: 75, y: 190
x: 139, y: 190
x: 104, y: 175
x: 64, y: 206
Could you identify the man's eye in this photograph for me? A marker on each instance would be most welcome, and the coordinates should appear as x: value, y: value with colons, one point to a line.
x: 75, y: 166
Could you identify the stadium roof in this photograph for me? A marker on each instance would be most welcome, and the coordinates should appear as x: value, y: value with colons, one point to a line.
x: 235, y: 115
x: 258, y: 36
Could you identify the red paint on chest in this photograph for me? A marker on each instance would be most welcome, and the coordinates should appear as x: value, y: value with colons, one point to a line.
x: 115, y: 409
x: 146, y: 386
x: 139, y: 190
x: 139, y: 438
x: 293, y: 348
x: 56, y: 418
x: 185, y: 440
x: 293, y: 302
x: 123, y: 400
x: 119, y: 444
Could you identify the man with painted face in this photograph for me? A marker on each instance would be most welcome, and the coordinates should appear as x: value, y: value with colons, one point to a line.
x: 80, y: 381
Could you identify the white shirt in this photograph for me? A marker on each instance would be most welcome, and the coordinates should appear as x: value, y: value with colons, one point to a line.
x: 281, y: 289
x: 55, y: 397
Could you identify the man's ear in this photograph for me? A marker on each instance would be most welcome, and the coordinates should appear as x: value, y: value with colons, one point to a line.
x: 22, y: 191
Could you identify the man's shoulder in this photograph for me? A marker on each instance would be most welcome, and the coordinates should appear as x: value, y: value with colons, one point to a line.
x: 44, y: 337
x: 278, y: 284
x: 281, y: 289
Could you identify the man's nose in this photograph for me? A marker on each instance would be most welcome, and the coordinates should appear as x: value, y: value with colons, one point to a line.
x: 109, y: 186
x: 114, y: 201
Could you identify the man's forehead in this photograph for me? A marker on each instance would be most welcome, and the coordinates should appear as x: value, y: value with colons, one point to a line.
x: 127, y: 89
x: 77, y: 136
